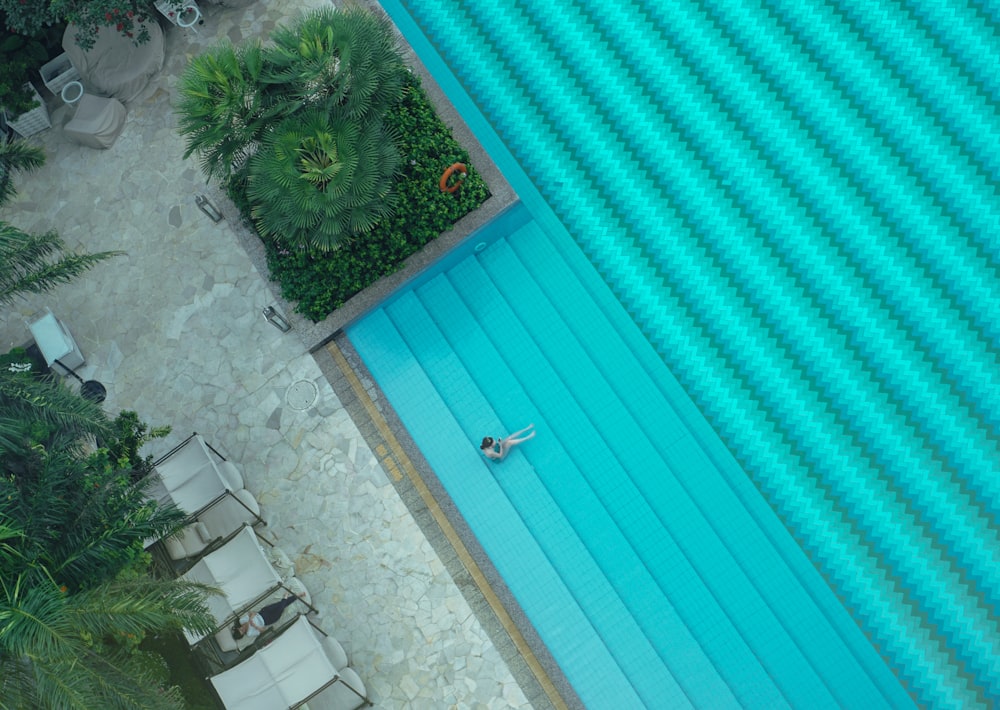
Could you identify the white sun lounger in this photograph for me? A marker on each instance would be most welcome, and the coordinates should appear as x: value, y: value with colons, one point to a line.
x: 241, y: 570
x: 294, y: 668
x: 189, y: 476
x: 206, y: 487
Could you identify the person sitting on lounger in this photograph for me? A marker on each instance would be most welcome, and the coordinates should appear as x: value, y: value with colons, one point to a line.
x: 250, y: 625
x: 497, y: 449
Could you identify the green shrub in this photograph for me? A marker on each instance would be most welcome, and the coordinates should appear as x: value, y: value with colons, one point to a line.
x: 20, y: 361
x: 20, y: 57
x: 320, y: 282
x: 129, y: 434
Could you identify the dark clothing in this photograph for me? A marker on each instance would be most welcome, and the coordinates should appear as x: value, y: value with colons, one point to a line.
x: 273, y: 612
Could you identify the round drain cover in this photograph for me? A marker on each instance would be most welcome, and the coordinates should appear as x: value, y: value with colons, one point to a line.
x: 301, y: 395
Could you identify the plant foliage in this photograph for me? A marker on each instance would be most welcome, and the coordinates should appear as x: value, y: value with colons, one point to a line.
x: 345, y: 60
x: 297, y: 124
x: 225, y: 107
x: 75, y: 596
x: 35, y: 263
x: 75, y: 599
x: 318, y: 180
x: 299, y: 142
x: 64, y: 650
x: 16, y: 156
x: 81, y: 516
x: 320, y: 282
x: 19, y: 57
x: 129, y: 434
x: 129, y: 18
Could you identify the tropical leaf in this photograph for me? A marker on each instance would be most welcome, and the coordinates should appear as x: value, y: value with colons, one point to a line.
x: 318, y: 180
x: 47, y: 400
x: 224, y: 107
x: 347, y: 60
x: 62, y: 650
x: 16, y: 156
x: 27, y: 265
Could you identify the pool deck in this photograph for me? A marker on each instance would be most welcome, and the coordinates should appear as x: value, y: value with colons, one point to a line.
x: 174, y: 330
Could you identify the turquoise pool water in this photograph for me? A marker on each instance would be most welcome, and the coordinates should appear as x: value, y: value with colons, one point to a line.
x: 795, y: 204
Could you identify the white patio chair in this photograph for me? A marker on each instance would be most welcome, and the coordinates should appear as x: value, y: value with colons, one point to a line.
x: 196, y: 479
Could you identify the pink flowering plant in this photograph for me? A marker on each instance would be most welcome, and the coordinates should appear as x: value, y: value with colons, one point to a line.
x: 130, y: 18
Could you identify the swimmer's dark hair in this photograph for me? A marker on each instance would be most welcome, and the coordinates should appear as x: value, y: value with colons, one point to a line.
x: 487, y: 443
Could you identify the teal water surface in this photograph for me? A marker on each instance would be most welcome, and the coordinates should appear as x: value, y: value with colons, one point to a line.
x: 796, y: 203
x: 654, y: 572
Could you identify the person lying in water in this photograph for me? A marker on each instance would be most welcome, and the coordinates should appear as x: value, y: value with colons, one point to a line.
x: 497, y: 449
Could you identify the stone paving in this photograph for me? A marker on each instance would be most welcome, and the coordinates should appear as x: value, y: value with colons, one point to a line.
x: 174, y: 331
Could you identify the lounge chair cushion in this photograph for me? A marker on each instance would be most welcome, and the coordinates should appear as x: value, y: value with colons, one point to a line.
x: 231, y: 475
x: 175, y: 548
x: 203, y: 532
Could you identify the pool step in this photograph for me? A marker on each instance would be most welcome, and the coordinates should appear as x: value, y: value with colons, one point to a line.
x: 749, y: 612
x: 740, y: 620
x: 800, y: 146
x: 542, y: 481
x: 661, y: 561
x: 486, y: 493
x: 734, y: 527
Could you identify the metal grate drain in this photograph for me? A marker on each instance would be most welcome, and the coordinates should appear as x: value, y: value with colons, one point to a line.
x: 301, y: 395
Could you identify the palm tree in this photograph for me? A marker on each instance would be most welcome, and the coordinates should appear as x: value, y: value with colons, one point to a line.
x: 76, y: 650
x: 225, y: 107
x: 82, y: 516
x: 16, y: 156
x: 27, y: 403
x: 26, y: 260
x: 317, y: 180
x: 27, y: 264
x: 348, y: 60
x: 73, y: 592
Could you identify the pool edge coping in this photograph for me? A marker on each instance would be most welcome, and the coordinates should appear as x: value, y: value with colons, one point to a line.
x: 530, y: 662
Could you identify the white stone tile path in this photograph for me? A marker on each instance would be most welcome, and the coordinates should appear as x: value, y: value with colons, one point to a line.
x: 174, y: 330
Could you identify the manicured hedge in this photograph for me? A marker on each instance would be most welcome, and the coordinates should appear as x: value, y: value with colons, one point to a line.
x: 319, y: 283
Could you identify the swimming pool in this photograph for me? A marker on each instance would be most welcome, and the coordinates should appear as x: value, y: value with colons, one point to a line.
x: 796, y: 205
x: 647, y: 563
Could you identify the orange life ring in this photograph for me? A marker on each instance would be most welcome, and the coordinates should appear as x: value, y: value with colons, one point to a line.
x: 452, y: 169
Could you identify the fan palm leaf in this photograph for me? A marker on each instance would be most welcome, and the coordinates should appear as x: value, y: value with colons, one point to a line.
x: 224, y: 106
x: 317, y: 180
x: 347, y: 59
